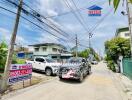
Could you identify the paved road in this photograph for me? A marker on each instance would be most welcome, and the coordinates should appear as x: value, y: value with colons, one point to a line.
x: 100, y: 85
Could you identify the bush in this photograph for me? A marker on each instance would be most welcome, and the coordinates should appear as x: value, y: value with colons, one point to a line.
x: 21, y: 61
x: 111, y: 65
x: 115, y: 48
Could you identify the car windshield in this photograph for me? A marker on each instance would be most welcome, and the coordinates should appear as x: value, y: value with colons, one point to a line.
x: 75, y: 60
x: 50, y: 60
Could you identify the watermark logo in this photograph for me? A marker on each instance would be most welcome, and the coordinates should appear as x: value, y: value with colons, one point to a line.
x: 94, y: 10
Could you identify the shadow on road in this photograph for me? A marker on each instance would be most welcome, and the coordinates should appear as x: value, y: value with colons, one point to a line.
x: 42, y: 73
x: 70, y: 81
x: 39, y: 72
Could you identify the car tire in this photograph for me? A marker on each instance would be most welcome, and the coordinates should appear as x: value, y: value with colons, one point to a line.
x: 81, y: 78
x: 48, y: 72
x: 60, y: 78
x: 89, y: 71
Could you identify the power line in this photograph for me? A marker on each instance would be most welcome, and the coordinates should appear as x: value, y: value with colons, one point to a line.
x: 39, y: 20
x: 79, y: 14
x: 32, y: 23
x: 72, y: 10
x: 38, y: 17
x: 35, y: 25
x: 68, y: 12
x: 76, y: 16
x: 75, y: 6
x: 100, y: 21
x: 45, y: 19
x: 87, y: 28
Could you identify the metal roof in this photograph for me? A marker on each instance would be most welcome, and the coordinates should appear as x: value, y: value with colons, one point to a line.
x: 121, y: 30
x: 47, y: 44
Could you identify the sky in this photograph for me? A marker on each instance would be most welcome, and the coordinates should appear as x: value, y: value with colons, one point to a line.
x: 29, y: 34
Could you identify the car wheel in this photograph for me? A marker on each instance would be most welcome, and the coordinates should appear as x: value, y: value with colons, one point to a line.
x: 89, y: 71
x: 48, y: 72
x: 60, y: 78
x: 81, y: 78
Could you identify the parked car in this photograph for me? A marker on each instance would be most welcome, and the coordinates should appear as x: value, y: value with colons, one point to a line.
x: 75, y: 68
x: 47, y: 65
x: 94, y: 62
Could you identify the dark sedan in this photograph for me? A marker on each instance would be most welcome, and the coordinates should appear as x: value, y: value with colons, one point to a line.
x: 75, y: 68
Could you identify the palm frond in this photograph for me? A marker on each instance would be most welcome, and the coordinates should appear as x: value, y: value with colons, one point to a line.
x: 116, y: 4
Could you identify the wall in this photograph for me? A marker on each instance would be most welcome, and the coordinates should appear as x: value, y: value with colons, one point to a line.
x: 48, y: 51
x: 122, y: 34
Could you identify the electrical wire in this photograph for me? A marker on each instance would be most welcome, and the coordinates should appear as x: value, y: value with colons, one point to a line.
x: 58, y: 37
x: 38, y: 17
x: 32, y: 23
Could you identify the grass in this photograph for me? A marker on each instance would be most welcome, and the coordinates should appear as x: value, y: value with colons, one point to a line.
x: 21, y: 61
x: 1, y: 75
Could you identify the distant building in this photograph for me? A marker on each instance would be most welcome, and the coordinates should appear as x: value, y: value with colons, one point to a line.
x: 23, y: 52
x: 123, y: 32
x: 56, y: 51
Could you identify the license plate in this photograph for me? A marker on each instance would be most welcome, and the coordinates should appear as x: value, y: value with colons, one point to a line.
x: 65, y: 76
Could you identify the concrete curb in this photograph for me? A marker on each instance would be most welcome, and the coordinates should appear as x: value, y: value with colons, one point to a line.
x: 127, y: 85
x: 119, y: 86
x: 18, y: 92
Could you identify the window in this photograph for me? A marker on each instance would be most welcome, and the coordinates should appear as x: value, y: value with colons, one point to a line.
x: 39, y: 59
x: 126, y: 34
x: 50, y: 60
x: 44, y: 48
x: 54, y: 49
x: 36, y: 49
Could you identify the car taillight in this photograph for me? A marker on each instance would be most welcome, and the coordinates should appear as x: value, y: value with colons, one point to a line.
x: 71, y: 72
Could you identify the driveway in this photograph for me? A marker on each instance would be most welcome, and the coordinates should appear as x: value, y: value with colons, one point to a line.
x: 100, y: 85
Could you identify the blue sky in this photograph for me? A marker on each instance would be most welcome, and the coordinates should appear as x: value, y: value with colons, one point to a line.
x: 29, y: 34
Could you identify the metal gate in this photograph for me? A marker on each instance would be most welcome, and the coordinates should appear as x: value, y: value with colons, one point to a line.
x: 127, y: 67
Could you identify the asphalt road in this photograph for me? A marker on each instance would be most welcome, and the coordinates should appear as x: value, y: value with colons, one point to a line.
x: 100, y: 85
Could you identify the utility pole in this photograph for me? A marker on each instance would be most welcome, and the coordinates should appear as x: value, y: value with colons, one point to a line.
x: 4, y: 84
x: 129, y: 12
x: 89, y: 41
x: 76, y: 46
x: 90, y: 36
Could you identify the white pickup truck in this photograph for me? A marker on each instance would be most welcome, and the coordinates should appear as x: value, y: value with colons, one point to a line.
x: 47, y: 65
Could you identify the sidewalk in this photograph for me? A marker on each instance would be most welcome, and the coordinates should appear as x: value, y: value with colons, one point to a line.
x: 126, y: 85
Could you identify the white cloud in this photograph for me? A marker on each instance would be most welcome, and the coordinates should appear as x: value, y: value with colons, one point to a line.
x: 51, y: 7
x: 6, y: 35
x: 47, y: 38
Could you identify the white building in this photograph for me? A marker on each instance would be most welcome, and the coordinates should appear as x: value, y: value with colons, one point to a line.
x: 123, y: 32
x: 53, y: 50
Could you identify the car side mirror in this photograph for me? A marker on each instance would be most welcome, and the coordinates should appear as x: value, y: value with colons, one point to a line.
x: 44, y: 62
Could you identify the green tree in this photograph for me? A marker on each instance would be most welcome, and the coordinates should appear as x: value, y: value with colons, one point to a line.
x: 3, y: 54
x: 116, y: 3
x: 84, y: 53
x: 116, y: 47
